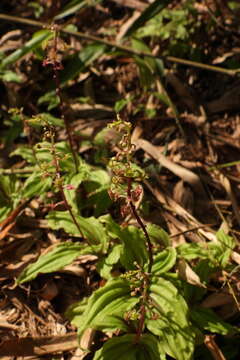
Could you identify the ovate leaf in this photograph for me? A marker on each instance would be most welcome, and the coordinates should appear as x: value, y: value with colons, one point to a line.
x: 91, y: 228
x: 164, y: 261
x: 106, y: 307
x: 168, y: 319
x: 207, y: 319
x: 134, y: 248
x: 158, y: 235
x: 36, y: 185
x: 106, y: 265
x: 29, y: 46
x: 222, y: 249
x: 55, y: 260
x: 192, y: 251
x: 126, y: 348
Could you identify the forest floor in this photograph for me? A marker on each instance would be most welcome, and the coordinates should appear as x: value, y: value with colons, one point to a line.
x: 187, y: 140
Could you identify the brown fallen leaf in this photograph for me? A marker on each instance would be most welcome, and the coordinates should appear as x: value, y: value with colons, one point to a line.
x: 186, y: 272
x: 30, y: 346
x: 185, y: 174
x: 175, y: 208
x: 6, y: 325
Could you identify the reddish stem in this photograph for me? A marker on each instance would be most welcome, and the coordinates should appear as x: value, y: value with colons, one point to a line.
x: 145, y: 284
x: 56, y: 67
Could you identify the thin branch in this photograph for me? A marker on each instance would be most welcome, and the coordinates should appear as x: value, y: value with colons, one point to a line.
x: 129, y: 50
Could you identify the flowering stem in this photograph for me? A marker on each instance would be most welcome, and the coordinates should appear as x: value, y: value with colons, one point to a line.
x: 59, y: 183
x: 146, y: 281
x: 141, y: 224
x: 56, y: 67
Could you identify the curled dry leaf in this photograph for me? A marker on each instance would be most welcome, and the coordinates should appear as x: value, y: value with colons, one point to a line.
x: 186, y: 272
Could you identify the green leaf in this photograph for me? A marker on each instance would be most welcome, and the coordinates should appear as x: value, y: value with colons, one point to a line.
x: 107, y: 306
x: 71, y: 8
x: 134, y: 248
x: 45, y: 118
x: 106, y: 265
x: 60, y: 256
x: 44, y: 156
x: 10, y: 194
x: 25, y: 152
x: 126, y: 348
x: 139, y: 45
x: 74, y: 312
x: 120, y: 104
x: 92, y: 229
x: 164, y: 261
x: 145, y: 72
x: 75, y: 180
x: 75, y: 6
x: 206, y: 319
x: 192, y: 251
x: 152, y: 10
x: 168, y: 319
x: 49, y: 98
x: 79, y: 62
x: 227, y: 241
x: 10, y: 76
x: 221, y: 250
x: 36, y: 184
x: 29, y: 46
x: 158, y: 235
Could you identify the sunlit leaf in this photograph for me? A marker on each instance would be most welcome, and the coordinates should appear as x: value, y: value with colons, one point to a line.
x: 10, y: 76
x: 168, y: 319
x: 54, y: 260
x: 106, y: 265
x: 91, y: 228
x: 106, y: 307
x: 152, y: 10
x: 36, y: 185
x: 158, y: 235
x: 164, y: 261
x: 29, y: 46
x: 74, y: 6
